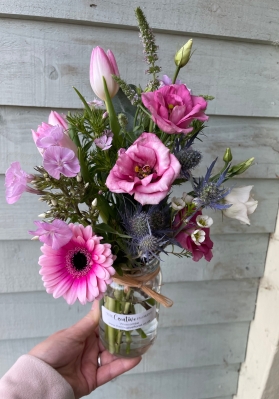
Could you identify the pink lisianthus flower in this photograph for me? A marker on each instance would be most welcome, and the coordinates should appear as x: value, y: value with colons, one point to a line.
x: 60, y: 160
x: 16, y: 182
x: 81, y: 269
x: 48, y: 135
x: 147, y: 169
x: 186, y: 237
x: 173, y: 108
x: 104, y: 142
x: 55, y: 119
x: 55, y: 234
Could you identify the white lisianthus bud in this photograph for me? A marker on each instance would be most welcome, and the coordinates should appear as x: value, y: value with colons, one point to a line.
x: 54, y: 202
x: 34, y: 238
x: 79, y: 178
x: 187, y: 198
x: 242, y: 204
x: 94, y: 203
x: 42, y: 215
x: 86, y: 185
x: 198, y: 236
x: 177, y: 203
x: 204, y: 221
x: 183, y: 55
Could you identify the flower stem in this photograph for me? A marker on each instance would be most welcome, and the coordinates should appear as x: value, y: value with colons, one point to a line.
x: 125, y: 311
x: 111, y: 305
x: 175, y: 74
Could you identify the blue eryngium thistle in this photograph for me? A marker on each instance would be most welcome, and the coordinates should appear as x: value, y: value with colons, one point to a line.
x: 208, y: 193
x: 149, y: 229
x: 187, y: 156
x: 189, y: 159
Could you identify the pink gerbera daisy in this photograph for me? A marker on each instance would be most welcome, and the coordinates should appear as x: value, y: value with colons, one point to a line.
x: 81, y: 269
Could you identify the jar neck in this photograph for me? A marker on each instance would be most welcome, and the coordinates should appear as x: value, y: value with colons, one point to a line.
x: 145, y: 269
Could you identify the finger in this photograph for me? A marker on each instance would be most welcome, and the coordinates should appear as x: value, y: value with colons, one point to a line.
x: 87, y: 325
x: 114, y: 369
x: 107, y: 357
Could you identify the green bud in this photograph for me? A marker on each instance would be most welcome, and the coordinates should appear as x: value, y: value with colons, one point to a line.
x: 241, y: 167
x: 123, y: 120
x: 183, y: 55
x: 228, y: 155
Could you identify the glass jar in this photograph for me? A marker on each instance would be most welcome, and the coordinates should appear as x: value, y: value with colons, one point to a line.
x: 129, y: 316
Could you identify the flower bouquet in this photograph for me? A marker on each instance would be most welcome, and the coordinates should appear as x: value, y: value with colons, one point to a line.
x: 107, y: 174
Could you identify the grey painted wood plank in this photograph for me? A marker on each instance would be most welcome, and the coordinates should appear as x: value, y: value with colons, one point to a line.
x: 175, y: 347
x: 246, y: 20
x: 247, y: 137
x: 195, y: 383
x: 35, y: 314
x: 196, y: 346
x: 41, y: 61
x: 18, y: 218
x: 19, y: 268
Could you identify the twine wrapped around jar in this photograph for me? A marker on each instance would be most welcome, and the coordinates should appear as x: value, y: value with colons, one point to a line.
x: 142, y: 283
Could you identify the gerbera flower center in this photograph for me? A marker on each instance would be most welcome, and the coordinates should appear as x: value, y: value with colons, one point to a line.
x: 78, y: 262
x: 143, y: 171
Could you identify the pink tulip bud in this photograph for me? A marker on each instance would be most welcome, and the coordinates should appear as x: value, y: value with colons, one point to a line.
x: 103, y: 65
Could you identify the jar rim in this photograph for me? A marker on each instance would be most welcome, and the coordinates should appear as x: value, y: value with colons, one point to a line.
x: 147, y: 268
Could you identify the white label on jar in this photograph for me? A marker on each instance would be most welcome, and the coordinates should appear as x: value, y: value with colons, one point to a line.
x: 128, y: 322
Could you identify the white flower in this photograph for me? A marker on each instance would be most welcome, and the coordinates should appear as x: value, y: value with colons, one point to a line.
x: 187, y: 198
x: 204, y: 221
x: 198, y: 236
x: 242, y: 204
x: 177, y: 203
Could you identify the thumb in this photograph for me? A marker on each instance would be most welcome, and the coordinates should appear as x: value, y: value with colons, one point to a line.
x: 86, y: 326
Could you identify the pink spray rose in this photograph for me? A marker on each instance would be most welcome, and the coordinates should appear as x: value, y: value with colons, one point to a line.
x: 147, y: 169
x: 16, y: 182
x: 186, y: 237
x: 55, y: 234
x: 173, y: 108
x: 53, y: 135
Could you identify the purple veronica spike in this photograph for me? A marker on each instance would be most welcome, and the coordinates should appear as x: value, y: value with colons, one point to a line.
x: 60, y: 160
x: 16, y: 181
x: 55, y: 234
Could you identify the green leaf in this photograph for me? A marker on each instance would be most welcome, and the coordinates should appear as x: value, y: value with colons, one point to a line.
x: 122, y: 104
x: 83, y: 165
x: 86, y: 106
x: 114, y: 124
x: 103, y: 227
x: 74, y: 136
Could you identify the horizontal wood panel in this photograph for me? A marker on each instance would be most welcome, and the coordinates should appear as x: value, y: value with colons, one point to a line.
x: 195, y: 383
x: 247, y: 137
x: 18, y: 218
x: 175, y: 347
x: 35, y: 314
x: 238, y: 19
x: 231, y: 260
x: 40, y: 62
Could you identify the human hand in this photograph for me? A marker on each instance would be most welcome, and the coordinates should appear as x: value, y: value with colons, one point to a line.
x: 73, y: 353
